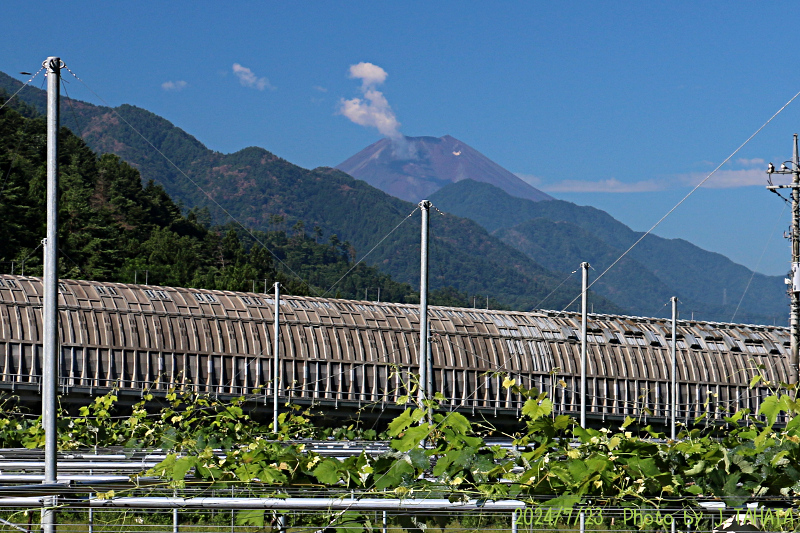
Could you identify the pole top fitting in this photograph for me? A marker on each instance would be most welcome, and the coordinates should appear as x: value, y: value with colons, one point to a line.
x: 425, y: 204
x: 585, y: 265
x: 53, y: 63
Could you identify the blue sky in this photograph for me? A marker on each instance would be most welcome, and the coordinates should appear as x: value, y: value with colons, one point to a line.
x: 623, y: 106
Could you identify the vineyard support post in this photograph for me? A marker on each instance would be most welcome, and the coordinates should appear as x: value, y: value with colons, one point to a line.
x: 514, y: 528
x: 584, y: 320
x: 674, y: 368
x: 276, y: 373
x: 424, y: 362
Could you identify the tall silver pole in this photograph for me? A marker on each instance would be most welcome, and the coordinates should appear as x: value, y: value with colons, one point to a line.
x: 428, y: 367
x: 276, y: 373
x: 50, y: 306
x: 795, y: 297
x: 584, y: 320
x: 424, y: 363
x: 674, y: 368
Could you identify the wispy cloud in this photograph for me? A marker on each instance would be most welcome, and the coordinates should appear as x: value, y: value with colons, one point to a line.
x: 722, y: 179
x: 373, y: 110
x: 320, y: 88
x: 729, y: 179
x: 248, y: 78
x: 609, y: 185
x: 177, y: 85
x: 757, y: 162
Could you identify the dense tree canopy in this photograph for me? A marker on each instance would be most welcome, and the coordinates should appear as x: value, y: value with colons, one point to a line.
x: 113, y: 228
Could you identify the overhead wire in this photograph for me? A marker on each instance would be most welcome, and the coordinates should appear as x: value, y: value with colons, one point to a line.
x: 223, y: 209
x: 371, y: 250
x: 14, y: 158
x: 700, y: 184
x: 193, y: 182
x: 21, y: 138
x: 22, y: 87
x: 537, y: 306
x: 753, y: 273
x: 72, y: 109
x: 392, y: 231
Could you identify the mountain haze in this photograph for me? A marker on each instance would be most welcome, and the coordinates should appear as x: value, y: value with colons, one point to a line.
x: 413, y: 168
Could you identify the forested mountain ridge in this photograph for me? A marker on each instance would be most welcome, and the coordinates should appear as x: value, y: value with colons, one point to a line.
x: 257, y: 187
x: 560, y: 235
x: 112, y: 228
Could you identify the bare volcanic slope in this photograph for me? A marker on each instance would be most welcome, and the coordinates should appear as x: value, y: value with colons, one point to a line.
x: 413, y: 168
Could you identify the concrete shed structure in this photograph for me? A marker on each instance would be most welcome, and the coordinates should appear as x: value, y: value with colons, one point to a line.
x: 345, y: 354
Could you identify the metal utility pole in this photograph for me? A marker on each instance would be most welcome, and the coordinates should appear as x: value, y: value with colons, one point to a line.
x: 50, y: 304
x: 674, y: 368
x: 584, y: 329
x: 425, y: 380
x: 276, y: 373
x: 794, y: 281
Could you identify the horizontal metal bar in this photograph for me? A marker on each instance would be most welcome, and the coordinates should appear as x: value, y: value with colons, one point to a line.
x: 22, y: 503
x: 289, y: 504
x: 319, y: 504
x: 80, y: 465
x: 34, y: 478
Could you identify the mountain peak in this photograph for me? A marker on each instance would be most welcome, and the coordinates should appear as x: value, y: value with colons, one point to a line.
x: 412, y: 168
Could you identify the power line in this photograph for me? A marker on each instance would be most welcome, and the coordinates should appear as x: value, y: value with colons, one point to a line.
x: 684, y: 199
x: 23, y: 86
x: 228, y: 213
x: 72, y: 109
x: 193, y: 182
x: 367, y: 254
x: 753, y: 274
x: 554, y: 290
x: 21, y: 137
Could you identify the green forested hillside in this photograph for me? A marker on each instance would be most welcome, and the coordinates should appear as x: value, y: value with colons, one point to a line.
x: 560, y: 235
x: 563, y: 246
x: 114, y: 228
x: 256, y: 187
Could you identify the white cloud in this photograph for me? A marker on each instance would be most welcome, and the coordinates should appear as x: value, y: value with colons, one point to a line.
x: 757, y: 162
x: 729, y: 179
x: 368, y: 73
x: 722, y: 179
x: 373, y: 110
x: 320, y: 88
x: 609, y: 185
x: 178, y: 85
x: 248, y: 78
